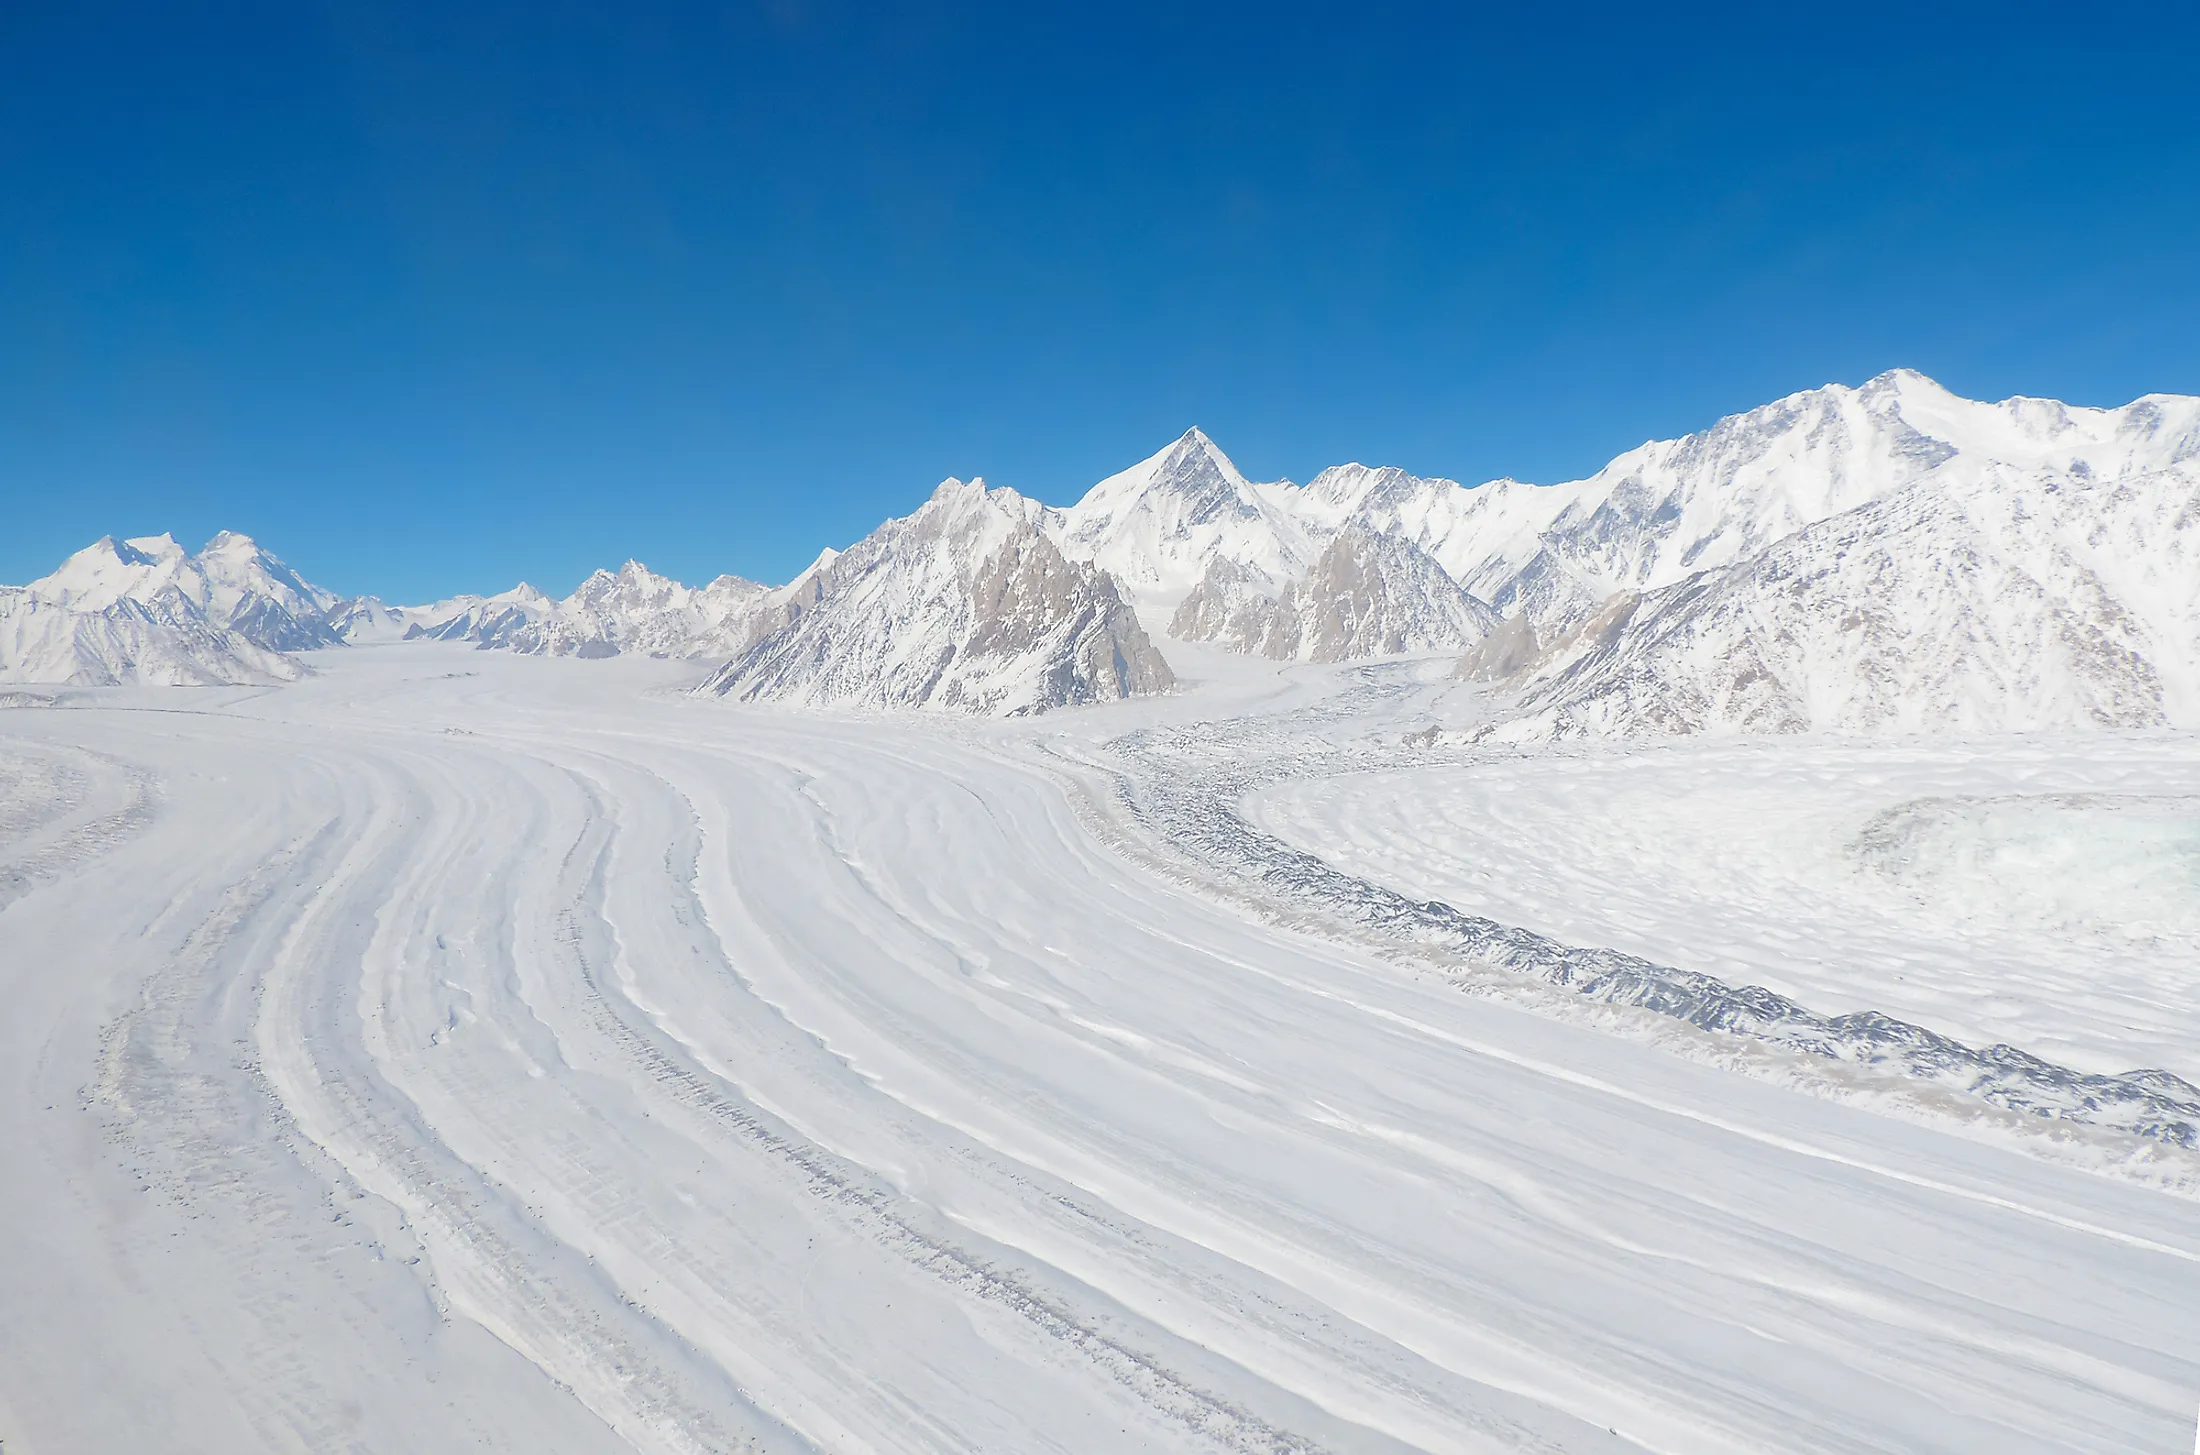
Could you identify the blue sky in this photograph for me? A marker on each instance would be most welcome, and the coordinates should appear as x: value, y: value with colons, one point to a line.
x: 436, y: 298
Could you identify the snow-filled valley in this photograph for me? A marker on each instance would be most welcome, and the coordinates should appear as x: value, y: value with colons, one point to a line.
x: 2039, y: 892
x: 1703, y: 958
x: 466, y: 1050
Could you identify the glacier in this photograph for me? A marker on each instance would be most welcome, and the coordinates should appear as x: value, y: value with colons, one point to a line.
x: 462, y: 1048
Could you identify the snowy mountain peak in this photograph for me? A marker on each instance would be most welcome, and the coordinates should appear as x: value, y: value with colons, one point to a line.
x: 2025, y: 602
x: 143, y: 610
x: 101, y: 574
x: 1156, y: 525
x: 1192, y: 470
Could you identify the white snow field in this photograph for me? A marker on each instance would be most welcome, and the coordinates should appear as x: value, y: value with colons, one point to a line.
x: 2040, y: 892
x: 467, y: 1051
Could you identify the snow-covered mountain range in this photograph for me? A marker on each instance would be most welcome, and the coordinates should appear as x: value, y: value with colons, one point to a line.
x: 145, y: 611
x: 1882, y: 558
x: 632, y: 609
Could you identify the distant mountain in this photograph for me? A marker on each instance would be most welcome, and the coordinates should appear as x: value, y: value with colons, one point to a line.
x: 1878, y: 558
x: 367, y: 619
x: 967, y: 605
x: 146, y: 611
x: 1366, y: 595
x: 2020, y: 602
x: 632, y: 609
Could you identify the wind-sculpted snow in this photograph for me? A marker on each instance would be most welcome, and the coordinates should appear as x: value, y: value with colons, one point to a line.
x: 476, y: 1051
x: 61, y: 807
x: 1184, y: 787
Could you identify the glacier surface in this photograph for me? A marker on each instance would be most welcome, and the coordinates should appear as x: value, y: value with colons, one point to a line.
x: 463, y: 1049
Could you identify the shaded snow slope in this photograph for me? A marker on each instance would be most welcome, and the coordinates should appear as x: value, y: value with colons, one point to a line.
x: 967, y: 606
x: 1365, y: 596
x: 2018, y: 603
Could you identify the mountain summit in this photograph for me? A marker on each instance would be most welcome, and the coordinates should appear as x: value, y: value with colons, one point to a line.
x: 145, y: 611
x: 1155, y: 526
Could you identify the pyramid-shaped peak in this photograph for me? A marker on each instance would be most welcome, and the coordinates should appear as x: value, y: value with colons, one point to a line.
x: 1193, y: 465
x: 1196, y: 444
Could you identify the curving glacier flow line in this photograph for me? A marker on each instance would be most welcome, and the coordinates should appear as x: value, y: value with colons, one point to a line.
x: 519, y: 1060
x: 1179, y: 789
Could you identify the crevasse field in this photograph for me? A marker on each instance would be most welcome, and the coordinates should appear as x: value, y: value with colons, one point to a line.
x: 457, y: 1051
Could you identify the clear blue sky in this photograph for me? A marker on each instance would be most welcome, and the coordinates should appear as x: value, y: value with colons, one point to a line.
x: 435, y: 298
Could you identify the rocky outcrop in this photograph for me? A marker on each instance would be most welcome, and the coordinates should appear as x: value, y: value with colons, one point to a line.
x: 1366, y: 595
x: 965, y: 606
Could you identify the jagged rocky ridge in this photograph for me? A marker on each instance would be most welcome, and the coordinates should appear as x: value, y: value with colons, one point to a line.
x: 1670, y: 509
x: 1367, y: 595
x: 967, y: 605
